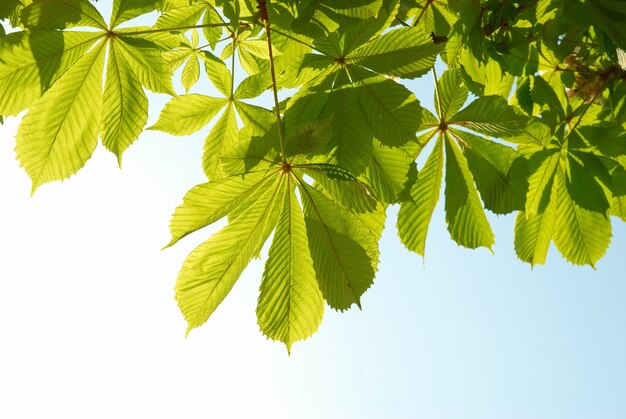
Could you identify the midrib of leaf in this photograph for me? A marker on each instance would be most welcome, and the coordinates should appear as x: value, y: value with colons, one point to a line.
x: 120, y: 118
x: 303, y: 188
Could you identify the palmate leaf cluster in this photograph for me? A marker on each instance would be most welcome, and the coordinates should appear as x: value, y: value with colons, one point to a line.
x: 530, y: 118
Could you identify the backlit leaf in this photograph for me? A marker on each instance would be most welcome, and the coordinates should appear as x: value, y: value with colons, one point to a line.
x: 57, y: 136
x: 125, y: 106
x: 211, y: 270
x: 414, y: 217
x: 187, y: 114
x: 341, y: 247
x: 466, y: 220
x: 291, y: 305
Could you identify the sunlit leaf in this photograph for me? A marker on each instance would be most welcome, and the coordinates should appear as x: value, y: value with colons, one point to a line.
x: 414, y: 217
x: 291, y: 304
x: 466, y: 220
x: 56, y: 136
x: 210, y: 271
x: 341, y: 247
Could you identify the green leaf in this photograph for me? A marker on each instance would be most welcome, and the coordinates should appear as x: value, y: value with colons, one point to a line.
x: 404, y: 52
x: 541, y: 166
x: 544, y: 94
x: 502, y: 188
x: 148, y: 65
x: 223, y: 136
x: 57, y: 136
x: 351, y: 142
x: 533, y: 234
x: 212, y: 33
x: 451, y: 94
x: 219, y: 75
x: 388, y: 171
x: 125, y: 105
x: 31, y: 62
x: 309, y: 101
x: 187, y: 15
x: 253, y: 86
x: 310, y: 138
x: 467, y: 223
x: 210, y: 271
x: 250, y: 63
x: 497, y: 82
x: 618, y: 207
x: 607, y: 138
x: 343, y: 248
x: 392, y: 111
x: 191, y: 73
x: 583, y: 188
x: 582, y: 236
x: 186, y: 114
x: 291, y: 305
x: 8, y: 7
x: 258, y: 120
x: 206, y: 203
x: 45, y: 15
x: 342, y: 186
x: 257, y: 48
x: 124, y: 10
x: 146, y: 37
x: 414, y: 217
x: 490, y: 115
x: 250, y: 152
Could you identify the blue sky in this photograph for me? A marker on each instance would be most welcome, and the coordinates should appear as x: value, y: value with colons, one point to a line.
x: 89, y: 326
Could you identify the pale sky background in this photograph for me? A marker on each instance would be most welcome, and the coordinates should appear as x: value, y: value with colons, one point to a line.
x: 89, y: 327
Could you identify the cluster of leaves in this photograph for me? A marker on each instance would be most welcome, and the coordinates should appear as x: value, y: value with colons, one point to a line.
x: 543, y: 135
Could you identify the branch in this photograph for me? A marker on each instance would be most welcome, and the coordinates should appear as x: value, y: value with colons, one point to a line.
x: 262, y: 5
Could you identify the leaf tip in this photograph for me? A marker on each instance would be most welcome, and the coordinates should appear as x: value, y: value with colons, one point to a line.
x: 170, y: 244
x: 189, y: 329
x: 33, y: 189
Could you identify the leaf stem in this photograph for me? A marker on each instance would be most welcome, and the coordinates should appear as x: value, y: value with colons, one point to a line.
x: 438, y: 103
x: 428, y: 3
x: 281, y: 135
x: 232, y: 70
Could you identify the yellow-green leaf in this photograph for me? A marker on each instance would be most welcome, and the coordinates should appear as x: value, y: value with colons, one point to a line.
x: 210, y: 271
x: 186, y: 114
x: 60, y: 131
x: 582, y: 236
x: 343, y: 248
x: 291, y: 305
x: 414, y: 217
x: 466, y: 219
x: 125, y: 105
